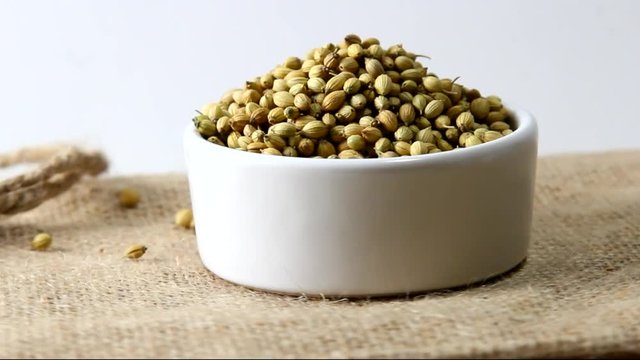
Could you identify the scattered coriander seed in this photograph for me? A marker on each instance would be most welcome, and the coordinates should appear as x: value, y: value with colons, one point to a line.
x: 41, y: 241
x: 135, y: 251
x: 183, y: 218
x: 129, y: 197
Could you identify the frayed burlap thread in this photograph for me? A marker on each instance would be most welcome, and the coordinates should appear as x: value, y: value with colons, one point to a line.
x: 577, y: 295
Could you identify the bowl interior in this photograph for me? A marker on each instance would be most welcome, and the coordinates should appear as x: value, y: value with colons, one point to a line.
x: 523, y: 122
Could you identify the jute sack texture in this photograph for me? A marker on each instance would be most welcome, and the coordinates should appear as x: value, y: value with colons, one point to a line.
x: 578, y: 293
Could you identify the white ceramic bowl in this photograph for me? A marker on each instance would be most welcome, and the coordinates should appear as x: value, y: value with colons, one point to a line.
x: 363, y: 227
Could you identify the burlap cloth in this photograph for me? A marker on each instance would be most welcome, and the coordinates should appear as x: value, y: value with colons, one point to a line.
x: 578, y: 294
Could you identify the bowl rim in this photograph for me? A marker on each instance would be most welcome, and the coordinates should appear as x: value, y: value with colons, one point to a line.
x: 525, y: 130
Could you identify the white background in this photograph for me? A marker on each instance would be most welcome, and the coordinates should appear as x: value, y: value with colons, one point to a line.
x: 125, y: 76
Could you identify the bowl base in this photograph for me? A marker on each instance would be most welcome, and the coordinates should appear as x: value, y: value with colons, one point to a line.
x: 492, y: 279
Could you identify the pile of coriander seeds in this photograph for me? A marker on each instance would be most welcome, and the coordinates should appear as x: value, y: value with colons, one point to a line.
x: 354, y: 99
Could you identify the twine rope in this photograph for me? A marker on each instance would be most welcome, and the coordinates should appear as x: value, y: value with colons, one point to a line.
x: 61, y: 166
